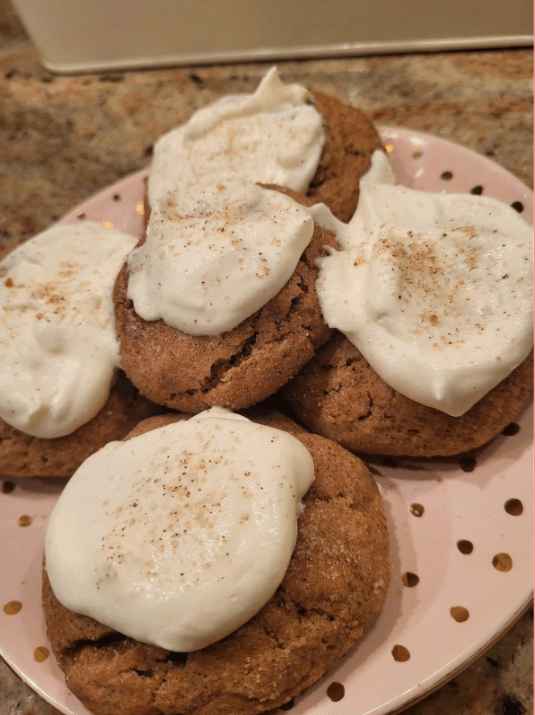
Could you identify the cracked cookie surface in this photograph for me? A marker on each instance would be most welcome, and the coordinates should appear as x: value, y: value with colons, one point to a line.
x: 335, y: 585
x: 22, y: 455
x: 240, y: 367
x: 339, y: 395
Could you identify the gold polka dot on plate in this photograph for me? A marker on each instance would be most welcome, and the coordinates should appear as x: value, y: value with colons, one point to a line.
x: 417, y: 509
x: 514, y: 507
x: 468, y: 464
x: 465, y: 547
x: 511, y: 429
x: 410, y: 579
x: 41, y: 654
x: 400, y: 653
x: 502, y: 562
x: 25, y: 520
x: 8, y: 487
x: 12, y: 608
x: 459, y: 614
x: 288, y: 706
x: 336, y: 692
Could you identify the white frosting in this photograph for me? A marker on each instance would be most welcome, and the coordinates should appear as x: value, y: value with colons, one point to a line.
x: 57, y: 328
x: 380, y: 171
x: 435, y: 290
x: 272, y: 136
x: 185, y: 531
x: 212, y: 259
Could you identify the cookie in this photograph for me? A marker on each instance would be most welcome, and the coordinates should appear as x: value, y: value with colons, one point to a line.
x: 339, y: 395
x: 22, y: 455
x: 334, y: 587
x: 306, y: 141
x: 350, y: 140
x: 238, y: 368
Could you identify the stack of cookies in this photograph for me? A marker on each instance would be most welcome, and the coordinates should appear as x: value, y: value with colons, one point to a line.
x: 260, y: 274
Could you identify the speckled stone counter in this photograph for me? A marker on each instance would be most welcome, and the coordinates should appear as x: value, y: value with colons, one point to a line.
x: 64, y: 138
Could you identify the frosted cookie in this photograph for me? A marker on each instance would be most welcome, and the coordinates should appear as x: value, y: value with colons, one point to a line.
x: 23, y: 455
x: 435, y: 290
x: 226, y: 288
x: 281, y: 134
x: 339, y: 395
x: 60, y: 354
x: 434, y: 293
x: 335, y: 583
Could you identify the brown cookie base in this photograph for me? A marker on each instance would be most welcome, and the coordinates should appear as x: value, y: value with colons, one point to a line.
x: 350, y: 140
x: 238, y: 368
x: 340, y: 396
x: 22, y: 455
x: 335, y: 585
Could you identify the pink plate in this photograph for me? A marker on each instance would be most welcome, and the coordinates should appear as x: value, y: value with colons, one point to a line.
x: 461, y: 540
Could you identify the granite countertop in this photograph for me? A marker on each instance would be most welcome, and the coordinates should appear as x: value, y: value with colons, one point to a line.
x: 64, y: 138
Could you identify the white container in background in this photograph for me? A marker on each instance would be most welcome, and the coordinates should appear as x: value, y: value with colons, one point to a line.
x: 88, y: 35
